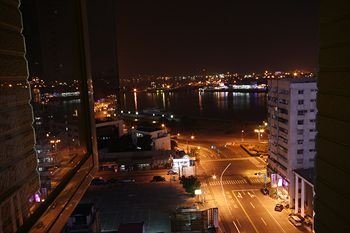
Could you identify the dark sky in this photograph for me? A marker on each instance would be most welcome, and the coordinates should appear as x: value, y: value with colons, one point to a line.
x: 183, y: 37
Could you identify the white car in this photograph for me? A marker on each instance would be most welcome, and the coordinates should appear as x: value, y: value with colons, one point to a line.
x: 295, y: 220
x: 172, y: 172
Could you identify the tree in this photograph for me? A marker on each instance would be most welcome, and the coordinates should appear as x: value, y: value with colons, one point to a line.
x: 190, y: 183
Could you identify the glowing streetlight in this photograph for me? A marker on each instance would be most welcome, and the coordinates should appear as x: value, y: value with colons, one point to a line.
x: 178, y: 134
x: 214, y: 177
x: 198, y: 193
x: 192, y: 137
x: 259, y: 132
x: 163, y: 125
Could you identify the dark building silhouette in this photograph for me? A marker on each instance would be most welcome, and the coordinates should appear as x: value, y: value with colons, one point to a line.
x: 21, y: 208
x: 333, y: 121
x: 19, y: 179
x: 85, y: 218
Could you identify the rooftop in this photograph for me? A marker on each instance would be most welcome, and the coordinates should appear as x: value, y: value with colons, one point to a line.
x: 307, y: 174
x: 148, y: 128
x: 296, y: 80
x: 83, y: 209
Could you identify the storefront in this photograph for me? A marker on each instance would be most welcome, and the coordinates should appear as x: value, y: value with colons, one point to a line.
x: 281, y: 185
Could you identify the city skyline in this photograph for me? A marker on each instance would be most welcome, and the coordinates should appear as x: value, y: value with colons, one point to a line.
x: 173, y: 117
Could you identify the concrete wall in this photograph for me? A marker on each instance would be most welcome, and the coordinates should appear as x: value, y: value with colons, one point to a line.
x: 332, y: 202
x: 162, y: 143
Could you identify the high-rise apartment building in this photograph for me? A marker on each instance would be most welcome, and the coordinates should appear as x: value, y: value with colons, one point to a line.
x: 18, y: 176
x: 292, y: 131
x: 22, y: 206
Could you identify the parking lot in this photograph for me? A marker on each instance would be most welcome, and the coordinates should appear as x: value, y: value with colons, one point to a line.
x: 142, y: 200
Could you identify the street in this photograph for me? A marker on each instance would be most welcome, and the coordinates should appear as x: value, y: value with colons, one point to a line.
x: 229, y: 180
x: 242, y: 207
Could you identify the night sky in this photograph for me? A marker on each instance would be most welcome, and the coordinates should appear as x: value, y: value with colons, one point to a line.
x: 184, y: 37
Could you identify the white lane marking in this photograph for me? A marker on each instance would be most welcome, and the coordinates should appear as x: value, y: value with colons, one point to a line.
x: 251, y: 195
x: 236, y: 226
x: 252, y: 205
x: 263, y: 221
x: 238, y: 222
x: 239, y: 195
x: 270, y: 214
x: 245, y: 212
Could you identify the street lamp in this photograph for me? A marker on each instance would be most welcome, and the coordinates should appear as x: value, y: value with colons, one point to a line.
x: 198, y: 192
x: 242, y: 135
x: 259, y: 132
x: 214, y: 177
x: 222, y: 186
x: 192, y: 138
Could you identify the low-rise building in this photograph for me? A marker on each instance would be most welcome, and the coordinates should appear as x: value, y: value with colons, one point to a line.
x: 304, y: 194
x: 85, y: 218
x: 108, y: 132
x: 160, y: 137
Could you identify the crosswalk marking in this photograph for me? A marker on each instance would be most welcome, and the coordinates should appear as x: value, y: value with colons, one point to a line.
x: 226, y: 182
x: 256, y: 180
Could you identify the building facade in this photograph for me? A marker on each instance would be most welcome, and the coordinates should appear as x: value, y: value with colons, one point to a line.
x: 22, y: 209
x: 292, y: 131
x: 19, y: 179
x: 333, y: 120
x: 160, y: 137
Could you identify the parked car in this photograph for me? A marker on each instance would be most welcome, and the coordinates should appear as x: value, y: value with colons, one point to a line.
x: 296, y: 220
x: 172, y: 172
x: 112, y: 181
x: 127, y: 180
x: 158, y: 179
x: 98, y: 181
x: 279, y: 207
x: 264, y: 191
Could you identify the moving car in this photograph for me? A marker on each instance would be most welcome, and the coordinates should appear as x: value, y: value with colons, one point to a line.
x: 172, y: 172
x: 296, y: 220
x: 98, y: 181
x: 279, y: 207
x: 158, y: 179
x: 127, y: 180
x: 112, y: 181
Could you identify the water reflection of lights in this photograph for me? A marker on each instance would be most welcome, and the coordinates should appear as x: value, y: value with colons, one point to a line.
x: 163, y: 98
x: 200, y: 101
x: 135, y: 101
